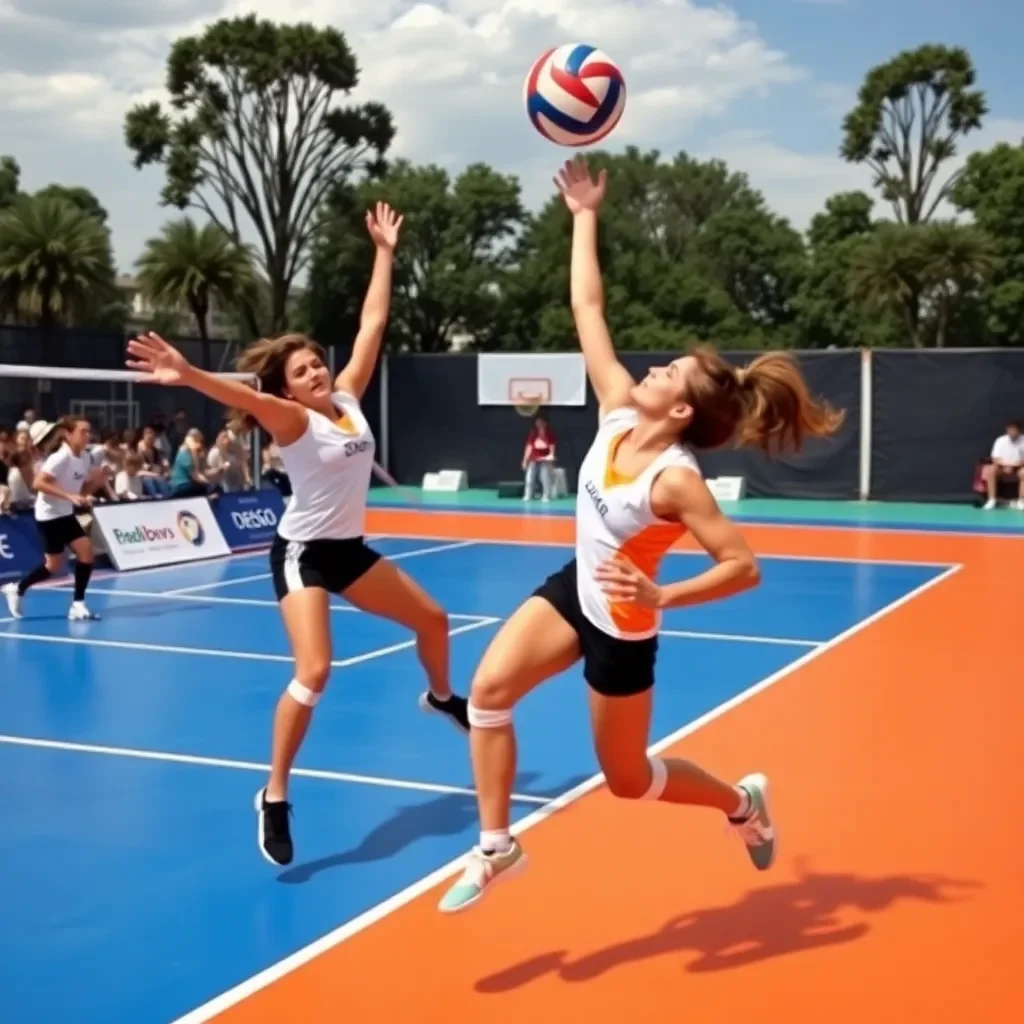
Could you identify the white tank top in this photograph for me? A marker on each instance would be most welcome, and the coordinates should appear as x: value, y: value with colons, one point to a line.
x: 329, y: 469
x: 613, y: 516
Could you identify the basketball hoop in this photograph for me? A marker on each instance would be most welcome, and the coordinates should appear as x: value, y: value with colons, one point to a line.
x: 527, y: 405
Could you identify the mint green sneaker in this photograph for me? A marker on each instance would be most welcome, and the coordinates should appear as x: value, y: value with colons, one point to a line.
x: 482, y: 870
x: 758, y: 829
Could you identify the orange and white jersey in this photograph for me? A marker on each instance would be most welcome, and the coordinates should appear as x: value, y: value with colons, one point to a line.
x: 614, y: 518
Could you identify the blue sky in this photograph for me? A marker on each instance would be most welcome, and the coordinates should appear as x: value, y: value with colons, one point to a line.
x: 762, y: 84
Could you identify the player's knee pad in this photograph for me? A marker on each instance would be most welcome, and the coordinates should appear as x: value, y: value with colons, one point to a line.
x: 659, y: 779
x: 481, y: 718
x: 303, y: 694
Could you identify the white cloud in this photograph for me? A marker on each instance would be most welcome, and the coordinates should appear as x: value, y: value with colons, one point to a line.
x: 796, y: 184
x: 451, y: 71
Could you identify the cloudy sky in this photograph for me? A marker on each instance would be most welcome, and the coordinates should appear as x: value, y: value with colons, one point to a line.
x: 761, y: 83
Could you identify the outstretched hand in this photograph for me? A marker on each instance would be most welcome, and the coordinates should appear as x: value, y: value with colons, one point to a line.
x: 579, y: 190
x: 159, y: 361
x: 383, y: 224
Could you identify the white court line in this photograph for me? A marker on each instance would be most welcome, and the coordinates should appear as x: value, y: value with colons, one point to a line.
x: 550, y: 517
x: 210, y: 652
x: 740, y: 638
x: 689, y: 554
x: 252, y: 602
x: 252, y: 766
x: 266, y: 575
x: 290, y: 963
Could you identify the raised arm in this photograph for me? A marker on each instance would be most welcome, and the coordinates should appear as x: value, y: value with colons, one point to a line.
x: 583, y: 195
x: 383, y: 226
x: 163, y: 364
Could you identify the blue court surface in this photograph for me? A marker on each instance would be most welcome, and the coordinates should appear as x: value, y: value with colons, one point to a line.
x: 131, y: 750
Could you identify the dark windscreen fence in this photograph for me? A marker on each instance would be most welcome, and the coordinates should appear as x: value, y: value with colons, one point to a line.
x: 436, y: 423
x: 935, y: 415
x: 825, y: 468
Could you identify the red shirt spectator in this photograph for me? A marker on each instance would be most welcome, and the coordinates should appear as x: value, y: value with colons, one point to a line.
x: 540, y: 445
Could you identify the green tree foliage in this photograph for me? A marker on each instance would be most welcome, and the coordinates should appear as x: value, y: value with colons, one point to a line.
x: 910, y: 113
x: 450, y: 264
x: 259, y: 137
x: 54, y: 262
x: 991, y: 189
x: 689, y: 251
x: 194, y: 267
x: 10, y: 176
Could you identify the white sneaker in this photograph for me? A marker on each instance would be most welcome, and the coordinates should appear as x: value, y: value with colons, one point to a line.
x: 991, y: 503
x: 79, y: 613
x: 10, y: 591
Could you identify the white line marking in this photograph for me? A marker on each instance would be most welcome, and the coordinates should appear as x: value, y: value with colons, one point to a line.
x: 689, y: 554
x: 290, y: 963
x: 254, y: 602
x: 266, y: 575
x: 209, y: 652
x: 252, y: 766
x: 219, y: 583
x: 740, y: 638
x: 809, y: 525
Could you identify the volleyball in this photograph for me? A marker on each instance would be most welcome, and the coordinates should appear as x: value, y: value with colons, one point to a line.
x: 574, y: 94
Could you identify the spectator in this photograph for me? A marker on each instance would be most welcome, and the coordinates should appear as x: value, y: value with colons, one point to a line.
x: 539, y: 457
x: 154, y: 465
x: 128, y: 483
x: 186, y: 479
x: 28, y: 417
x: 273, y: 470
x: 1007, y: 464
x: 20, y: 477
x: 225, y: 465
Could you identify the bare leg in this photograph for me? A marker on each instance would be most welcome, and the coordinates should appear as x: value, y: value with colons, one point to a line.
x: 535, y: 644
x: 386, y: 591
x: 621, y: 727
x: 307, y: 620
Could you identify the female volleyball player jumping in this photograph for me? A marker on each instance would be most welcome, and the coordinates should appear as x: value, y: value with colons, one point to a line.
x: 640, y: 489
x: 327, y: 450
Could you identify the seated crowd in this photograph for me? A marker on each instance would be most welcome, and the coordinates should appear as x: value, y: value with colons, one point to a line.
x: 153, y: 463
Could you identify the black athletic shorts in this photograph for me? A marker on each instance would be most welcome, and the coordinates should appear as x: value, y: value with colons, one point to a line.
x: 59, y: 534
x: 331, y: 565
x: 611, y: 666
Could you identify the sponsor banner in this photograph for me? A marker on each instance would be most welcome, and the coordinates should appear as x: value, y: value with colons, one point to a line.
x: 138, y: 535
x: 21, y: 547
x: 249, y: 519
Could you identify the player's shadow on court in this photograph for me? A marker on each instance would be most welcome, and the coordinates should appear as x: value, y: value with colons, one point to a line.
x: 446, y: 815
x: 818, y: 910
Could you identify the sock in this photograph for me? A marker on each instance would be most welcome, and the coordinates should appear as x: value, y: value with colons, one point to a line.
x: 83, y: 570
x: 745, y: 808
x: 34, y: 577
x: 498, y: 841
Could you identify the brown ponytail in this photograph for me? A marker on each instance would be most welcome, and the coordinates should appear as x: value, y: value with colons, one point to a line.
x: 766, y: 404
x: 779, y: 412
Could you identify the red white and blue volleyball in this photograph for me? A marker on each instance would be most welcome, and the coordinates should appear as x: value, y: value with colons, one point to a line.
x: 574, y: 94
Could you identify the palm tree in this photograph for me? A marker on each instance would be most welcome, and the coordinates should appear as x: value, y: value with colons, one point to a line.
x: 192, y: 266
x: 54, y: 261
x: 955, y: 261
x: 885, y: 271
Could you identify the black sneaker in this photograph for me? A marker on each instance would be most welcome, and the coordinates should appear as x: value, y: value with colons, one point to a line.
x: 455, y: 709
x: 273, y: 832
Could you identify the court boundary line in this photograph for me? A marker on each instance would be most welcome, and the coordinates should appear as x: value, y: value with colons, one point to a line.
x: 551, y: 517
x: 203, y: 761
x: 682, y: 552
x: 481, y: 620
x: 243, y: 990
x: 211, y: 652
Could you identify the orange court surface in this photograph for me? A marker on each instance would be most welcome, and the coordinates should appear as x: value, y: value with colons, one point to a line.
x: 875, y: 676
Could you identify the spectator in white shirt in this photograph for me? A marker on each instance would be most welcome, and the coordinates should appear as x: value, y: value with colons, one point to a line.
x: 1007, y: 464
x: 128, y: 483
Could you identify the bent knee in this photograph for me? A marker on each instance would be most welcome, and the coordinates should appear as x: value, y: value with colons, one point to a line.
x: 432, y: 621
x: 640, y: 780
x: 492, y: 691
x: 313, y: 673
